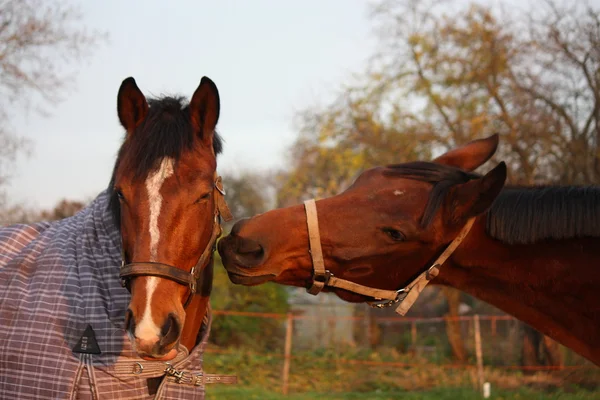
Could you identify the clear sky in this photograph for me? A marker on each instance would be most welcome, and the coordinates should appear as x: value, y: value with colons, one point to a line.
x: 268, y: 59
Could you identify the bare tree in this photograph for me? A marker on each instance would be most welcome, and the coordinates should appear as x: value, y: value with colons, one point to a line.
x: 446, y: 74
x: 531, y: 76
x: 38, y: 40
x: 22, y: 215
x: 248, y: 194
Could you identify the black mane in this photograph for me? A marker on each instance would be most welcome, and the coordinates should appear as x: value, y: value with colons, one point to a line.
x: 519, y: 215
x: 525, y: 215
x: 165, y: 132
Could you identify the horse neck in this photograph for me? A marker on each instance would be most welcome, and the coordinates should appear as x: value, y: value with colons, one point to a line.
x: 194, y: 316
x: 552, y: 286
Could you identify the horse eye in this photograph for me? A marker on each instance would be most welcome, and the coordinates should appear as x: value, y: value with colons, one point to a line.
x: 119, y: 194
x: 203, y: 197
x: 394, y: 234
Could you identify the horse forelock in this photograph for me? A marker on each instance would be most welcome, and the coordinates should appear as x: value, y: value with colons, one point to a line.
x: 165, y: 132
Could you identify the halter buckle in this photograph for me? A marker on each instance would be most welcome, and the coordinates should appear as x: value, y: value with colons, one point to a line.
x: 193, y: 280
x: 319, y: 281
x: 323, y: 277
x: 400, y: 295
x: 178, y: 375
x: 433, y: 271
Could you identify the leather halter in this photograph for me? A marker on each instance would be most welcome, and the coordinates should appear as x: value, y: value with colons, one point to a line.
x: 406, y: 296
x: 192, y: 279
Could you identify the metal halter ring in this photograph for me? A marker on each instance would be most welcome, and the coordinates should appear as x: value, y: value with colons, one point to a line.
x: 222, y: 191
x: 402, y: 293
x: 138, y: 368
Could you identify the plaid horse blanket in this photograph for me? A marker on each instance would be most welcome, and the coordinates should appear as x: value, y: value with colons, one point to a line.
x: 56, y: 281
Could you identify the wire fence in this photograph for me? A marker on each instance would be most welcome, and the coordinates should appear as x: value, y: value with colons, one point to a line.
x: 491, y: 342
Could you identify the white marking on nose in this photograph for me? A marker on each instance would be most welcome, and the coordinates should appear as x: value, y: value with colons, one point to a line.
x: 154, y: 182
x: 398, y: 192
x: 147, y: 329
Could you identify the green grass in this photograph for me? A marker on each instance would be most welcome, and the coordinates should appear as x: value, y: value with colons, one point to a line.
x: 231, y: 392
x: 327, y: 372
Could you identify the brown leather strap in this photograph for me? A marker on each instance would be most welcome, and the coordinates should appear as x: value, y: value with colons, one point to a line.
x: 416, y: 287
x: 405, y: 296
x: 379, y: 294
x: 455, y: 243
x: 320, y: 276
x: 206, y: 254
x: 221, y: 204
x: 193, y: 278
x: 161, y: 270
x: 156, y: 269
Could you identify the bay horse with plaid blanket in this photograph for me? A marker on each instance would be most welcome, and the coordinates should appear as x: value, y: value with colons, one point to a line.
x: 75, y: 326
x: 533, y: 252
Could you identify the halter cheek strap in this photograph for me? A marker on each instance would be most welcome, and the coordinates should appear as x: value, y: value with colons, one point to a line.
x: 405, y: 296
x: 192, y: 279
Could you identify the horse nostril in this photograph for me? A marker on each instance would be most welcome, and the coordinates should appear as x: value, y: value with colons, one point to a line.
x: 249, y: 247
x: 170, y: 331
x: 249, y: 253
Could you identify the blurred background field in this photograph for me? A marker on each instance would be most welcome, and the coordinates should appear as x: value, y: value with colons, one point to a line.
x: 344, y: 351
x: 435, y: 394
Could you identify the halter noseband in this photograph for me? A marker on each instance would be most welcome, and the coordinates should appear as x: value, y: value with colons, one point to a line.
x: 190, y: 279
x: 383, y: 298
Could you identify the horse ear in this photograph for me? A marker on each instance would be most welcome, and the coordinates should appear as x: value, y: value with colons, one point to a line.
x: 471, y: 155
x: 473, y: 198
x: 132, y: 106
x: 204, y: 110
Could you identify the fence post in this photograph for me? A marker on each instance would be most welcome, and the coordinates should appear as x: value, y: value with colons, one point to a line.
x: 478, y: 352
x: 494, y: 338
x: 287, y: 353
x: 367, y: 327
x: 413, y: 334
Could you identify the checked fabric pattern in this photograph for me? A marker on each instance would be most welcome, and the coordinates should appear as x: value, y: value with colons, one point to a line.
x: 55, y: 280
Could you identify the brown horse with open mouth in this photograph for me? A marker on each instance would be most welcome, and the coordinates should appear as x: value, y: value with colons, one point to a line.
x: 533, y: 252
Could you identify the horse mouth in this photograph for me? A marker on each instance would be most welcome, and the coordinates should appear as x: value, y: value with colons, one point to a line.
x: 246, y: 280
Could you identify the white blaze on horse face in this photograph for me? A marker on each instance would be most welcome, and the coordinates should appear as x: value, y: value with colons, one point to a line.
x: 146, y: 329
x: 154, y: 183
x: 398, y: 192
